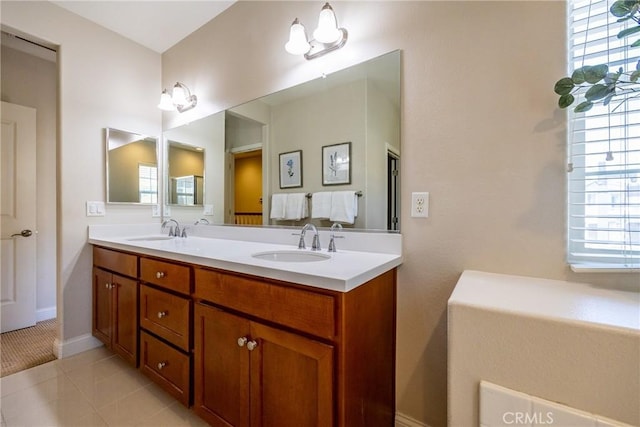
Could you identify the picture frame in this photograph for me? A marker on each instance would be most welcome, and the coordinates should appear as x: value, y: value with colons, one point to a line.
x: 291, y: 169
x: 336, y: 164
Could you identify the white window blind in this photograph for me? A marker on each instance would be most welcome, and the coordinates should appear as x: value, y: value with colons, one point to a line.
x: 603, y: 148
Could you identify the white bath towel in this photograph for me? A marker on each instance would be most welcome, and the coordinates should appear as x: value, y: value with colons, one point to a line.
x: 278, y: 204
x: 296, y: 207
x: 344, y: 206
x: 321, y: 204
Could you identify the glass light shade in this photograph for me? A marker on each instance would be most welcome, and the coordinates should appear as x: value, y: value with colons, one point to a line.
x: 166, y: 103
x: 327, y: 31
x: 179, y: 96
x: 297, y: 44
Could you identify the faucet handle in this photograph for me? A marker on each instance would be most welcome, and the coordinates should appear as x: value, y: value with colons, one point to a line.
x: 172, y: 232
x: 332, y: 243
x: 184, y: 232
x: 315, y: 246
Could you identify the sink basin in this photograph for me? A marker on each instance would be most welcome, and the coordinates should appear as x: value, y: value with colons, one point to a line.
x: 291, y: 256
x: 150, y: 238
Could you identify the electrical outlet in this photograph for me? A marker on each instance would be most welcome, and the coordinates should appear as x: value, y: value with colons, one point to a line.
x: 419, y: 205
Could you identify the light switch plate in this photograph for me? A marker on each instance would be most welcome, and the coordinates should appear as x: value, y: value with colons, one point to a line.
x: 208, y: 210
x: 155, y: 211
x: 95, y: 208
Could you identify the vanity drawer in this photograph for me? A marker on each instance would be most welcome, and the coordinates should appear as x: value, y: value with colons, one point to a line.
x: 168, y: 275
x: 166, y: 315
x: 166, y: 366
x: 119, y: 262
x: 286, y: 305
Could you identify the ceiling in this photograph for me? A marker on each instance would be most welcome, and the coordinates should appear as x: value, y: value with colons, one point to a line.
x: 157, y: 24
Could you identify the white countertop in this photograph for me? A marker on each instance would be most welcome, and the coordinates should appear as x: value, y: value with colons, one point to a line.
x: 552, y: 299
x: 343, y: 271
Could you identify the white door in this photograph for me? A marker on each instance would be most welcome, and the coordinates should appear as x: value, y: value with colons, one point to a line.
x: 18, y: 217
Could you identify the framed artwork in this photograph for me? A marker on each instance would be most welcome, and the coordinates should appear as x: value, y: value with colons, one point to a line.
x: 291, y: 169
x: 336, y: 164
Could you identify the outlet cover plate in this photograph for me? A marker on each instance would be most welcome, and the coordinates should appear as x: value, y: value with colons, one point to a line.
x: 419, y: 205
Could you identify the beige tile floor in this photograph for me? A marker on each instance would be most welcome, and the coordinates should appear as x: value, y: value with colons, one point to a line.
x: 94, y: 388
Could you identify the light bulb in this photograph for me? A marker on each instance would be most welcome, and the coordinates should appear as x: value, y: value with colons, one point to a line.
x: 327, y: 31
x: 179, y: 97
x: 166, y: 103
x: 297, y: 44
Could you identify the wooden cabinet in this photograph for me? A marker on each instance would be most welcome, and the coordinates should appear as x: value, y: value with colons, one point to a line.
x: 165, y: 325
x: 271, y: 353
x: 250, y: 374
x: 250, y: 351
x: 115, y: 298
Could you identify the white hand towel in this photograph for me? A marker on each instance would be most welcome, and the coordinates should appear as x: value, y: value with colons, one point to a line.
x: 344, y: 206
x: 296, y: 207
x: 321, y: 204
x: 278, y: 203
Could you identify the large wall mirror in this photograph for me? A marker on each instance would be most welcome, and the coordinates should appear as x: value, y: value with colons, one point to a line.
x: 354, y: 111
x: 131, y: 167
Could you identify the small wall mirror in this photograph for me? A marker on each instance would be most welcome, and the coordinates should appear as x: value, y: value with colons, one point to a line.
x: 186, y: 174
x: 132, y: 167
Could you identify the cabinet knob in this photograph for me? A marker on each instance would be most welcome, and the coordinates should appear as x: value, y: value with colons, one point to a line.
x: 109, y: 285
x: 251, y: 345
x: 242, y: 341
x: 162, y: 314
x: 161, y: 365
x: 160, y: 274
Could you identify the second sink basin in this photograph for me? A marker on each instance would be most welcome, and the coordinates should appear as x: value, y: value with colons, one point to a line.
x: 291, y: 256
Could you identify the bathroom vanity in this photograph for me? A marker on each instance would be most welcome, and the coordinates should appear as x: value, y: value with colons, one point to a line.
x: 253, y: 342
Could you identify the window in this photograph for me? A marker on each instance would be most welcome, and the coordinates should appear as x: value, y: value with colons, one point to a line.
x: 603, y: 149
x: 148, y: 183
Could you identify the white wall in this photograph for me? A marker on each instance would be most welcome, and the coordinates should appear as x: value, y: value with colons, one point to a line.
x: 32, y: 81
x: 480, y: 132
x: 105, y: 80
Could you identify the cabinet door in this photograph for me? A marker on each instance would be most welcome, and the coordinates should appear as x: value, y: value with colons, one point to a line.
x: 292, y: 380
x: 221, y: 371
x: 125, y: 329
x: 102, y: 307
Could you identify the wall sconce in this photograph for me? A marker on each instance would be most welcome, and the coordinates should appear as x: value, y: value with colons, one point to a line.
x: 326, y: 38
x: 180, y: 99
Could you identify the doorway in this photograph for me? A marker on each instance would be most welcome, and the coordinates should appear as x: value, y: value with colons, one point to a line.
x: 393, y: 178
x: 30, y: 78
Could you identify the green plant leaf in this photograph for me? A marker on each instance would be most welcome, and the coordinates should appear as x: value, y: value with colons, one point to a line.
x: 628, y: 31
x: 635, y: 76
x: 578, y: 76
x: 583, y: 106
x: 563, y: 86
x: 636, y: 43
x: 622, y: 7
x: 566, y: 100
x: 598, y: 91
x: 608, y: 99
x: 596, y: 73
x: 612, y: 78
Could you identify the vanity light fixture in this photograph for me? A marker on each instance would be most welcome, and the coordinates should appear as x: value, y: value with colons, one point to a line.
x: 180, y: 99
x: 326, y: 38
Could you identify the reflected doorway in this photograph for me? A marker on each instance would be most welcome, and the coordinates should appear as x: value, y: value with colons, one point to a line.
x: 247, y: 177
x: 393, y: 178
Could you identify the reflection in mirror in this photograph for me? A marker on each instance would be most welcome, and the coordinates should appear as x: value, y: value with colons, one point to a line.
x: 359, y: 105
x: 186, y: 174
x: 132, y: 167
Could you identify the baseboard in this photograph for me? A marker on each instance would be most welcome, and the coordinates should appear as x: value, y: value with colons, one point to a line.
x: 62, y: 349
x: 45, y: 313
x: 405, y: 421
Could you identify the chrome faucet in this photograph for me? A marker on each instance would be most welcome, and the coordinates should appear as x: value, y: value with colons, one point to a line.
x: 332, y: 243
x: 173, y: 231
x: 202, y: 221
x: 315, y: 246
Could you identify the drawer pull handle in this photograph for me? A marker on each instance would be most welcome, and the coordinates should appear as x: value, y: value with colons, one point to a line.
x: 109, y: 285
x: 160, y: 274
x: 242, y: 341
x: 251, y: 345
x: 162, y: 314
x: 161, y: 365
